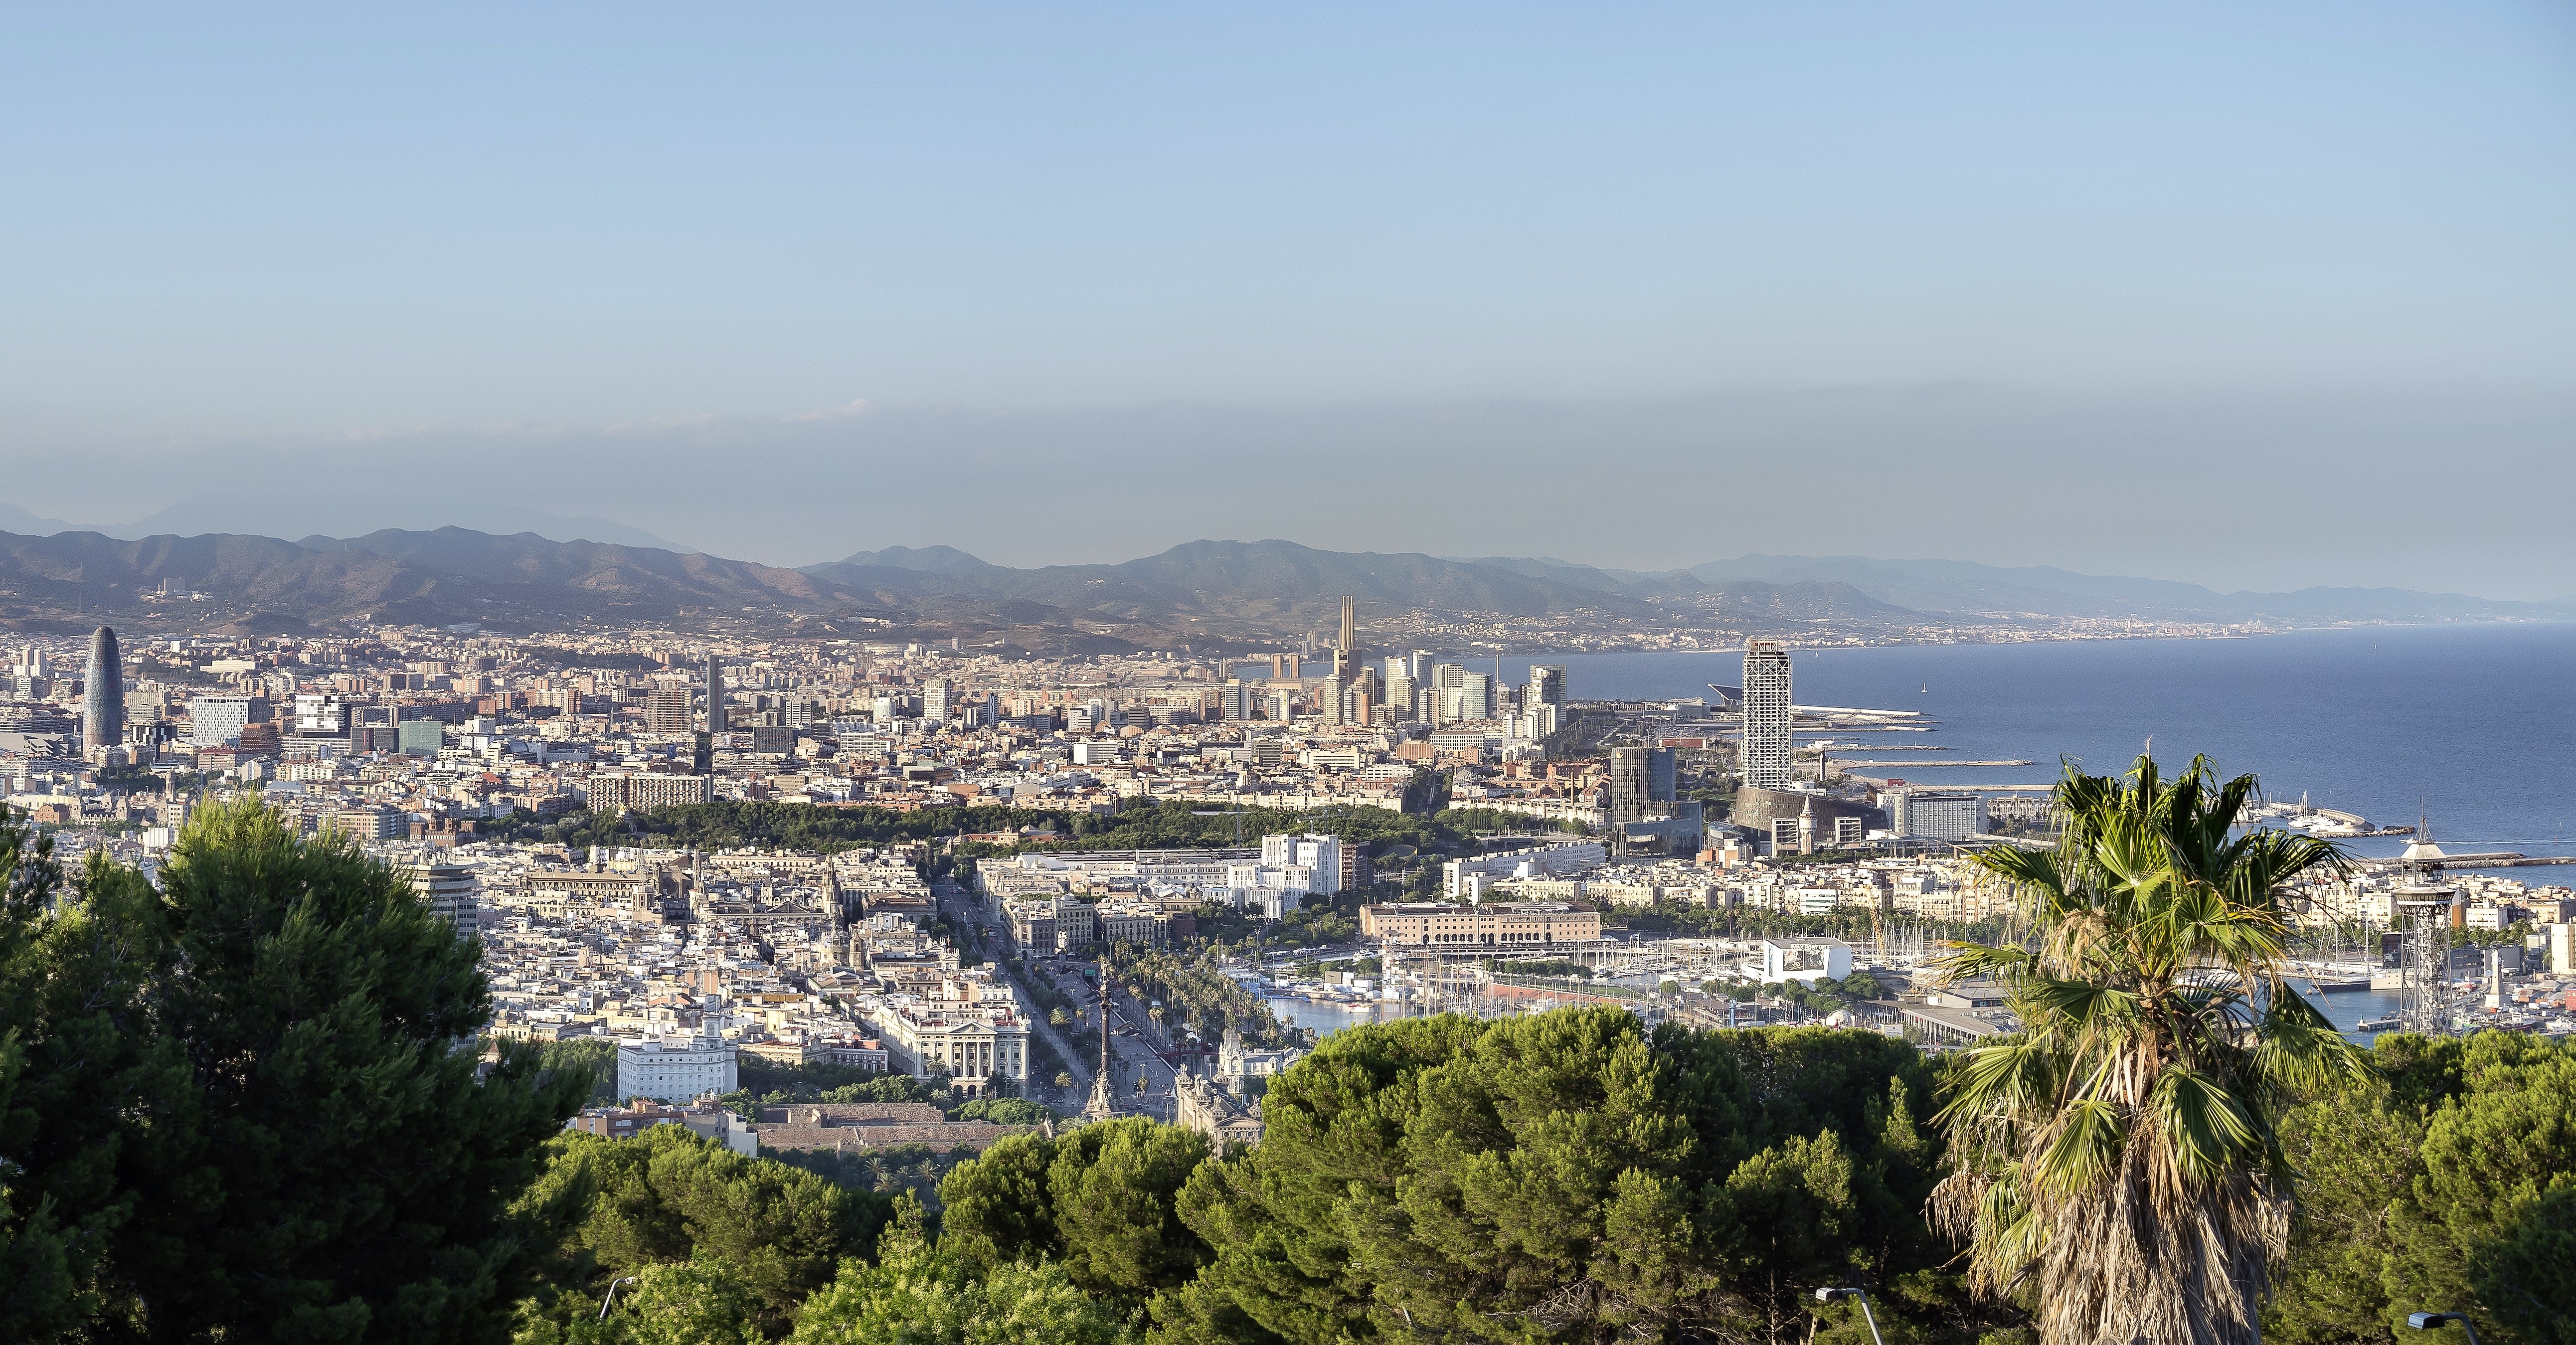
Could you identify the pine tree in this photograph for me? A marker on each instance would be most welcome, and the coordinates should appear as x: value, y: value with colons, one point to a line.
x: 84, y: 1078
x: 249, y: 1105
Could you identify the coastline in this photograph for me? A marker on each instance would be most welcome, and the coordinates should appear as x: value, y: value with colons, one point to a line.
x: 2214, y: 633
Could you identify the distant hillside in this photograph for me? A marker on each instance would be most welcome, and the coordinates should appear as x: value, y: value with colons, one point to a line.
x: 935, y: 559
x: 1205, y: 591
x: 1208, y: 590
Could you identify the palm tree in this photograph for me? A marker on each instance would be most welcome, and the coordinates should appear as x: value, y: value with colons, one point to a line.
x: 2115, y: 1162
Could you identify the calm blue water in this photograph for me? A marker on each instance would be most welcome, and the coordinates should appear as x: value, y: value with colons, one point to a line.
x: 1325, y: 1016
x: 2472, y: 724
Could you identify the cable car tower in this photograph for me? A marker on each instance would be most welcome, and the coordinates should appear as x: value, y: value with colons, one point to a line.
x: 2427, y: 905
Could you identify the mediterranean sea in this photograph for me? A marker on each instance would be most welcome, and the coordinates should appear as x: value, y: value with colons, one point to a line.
x: 2472, y: 725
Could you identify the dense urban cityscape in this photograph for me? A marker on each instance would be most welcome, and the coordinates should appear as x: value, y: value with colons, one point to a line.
x: 515, y: 778
x: 1743, y: 674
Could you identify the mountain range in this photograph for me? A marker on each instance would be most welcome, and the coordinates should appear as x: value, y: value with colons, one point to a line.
x: 267, y: 513
x: 1212, y: 592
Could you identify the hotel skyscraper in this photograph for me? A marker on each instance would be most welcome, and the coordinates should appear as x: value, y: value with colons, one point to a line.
x: 1766, y: 715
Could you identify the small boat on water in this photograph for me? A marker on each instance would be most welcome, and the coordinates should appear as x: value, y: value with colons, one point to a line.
x: 2387, y: 1023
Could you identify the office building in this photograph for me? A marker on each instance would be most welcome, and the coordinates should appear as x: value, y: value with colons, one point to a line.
x: 370, y: 823
x: 1346, y: 652
x: 647, y: 790
x: 1546, y: 685
x: 1765, y: 759
x: 419, y: 737
x: 449, y: 892
x: 717, y: 720
x: 934, y: 701
x: 218, y: 721
x: 1439, y: 924
x: 666, y: 709
x: 1938, y: 815
x: 1639, y: 776
x: 320, y: 714
x: 1321, y: 855
x: 1475, y: 697
x: 103, y: 694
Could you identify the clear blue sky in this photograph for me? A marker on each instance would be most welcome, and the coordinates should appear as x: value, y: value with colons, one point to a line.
x: 1077, y: 282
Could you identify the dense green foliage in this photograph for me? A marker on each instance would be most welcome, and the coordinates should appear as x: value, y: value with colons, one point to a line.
x: 1563, y: 1177
x: 1002, y: 1111
x: 592, y: 1057
x: 1100, y: 1200
x: 247, y: 1105
x: 919, y: 1295
x: 2447, y: 1181
x: 667, y: 1197
x: 889, y: 1170
x: 1545, y: 966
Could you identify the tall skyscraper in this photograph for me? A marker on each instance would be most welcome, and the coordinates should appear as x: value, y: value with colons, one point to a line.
x: 666, y: 708
x: 1638, y: 776
x: 935, y: 696
x: 103, y: 694
x: 1547, y: 685
x: 715, y: 695
x: 1628, y: 776
x: 1765, y: 759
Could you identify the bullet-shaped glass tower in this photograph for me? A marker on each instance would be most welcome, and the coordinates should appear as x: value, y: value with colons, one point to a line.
x: 103, y: 693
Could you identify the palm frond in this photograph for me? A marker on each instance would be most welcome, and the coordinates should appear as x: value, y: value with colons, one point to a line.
x: 2206, y: 1130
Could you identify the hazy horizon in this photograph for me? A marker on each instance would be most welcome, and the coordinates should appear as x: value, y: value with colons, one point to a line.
x: 2255, y: 300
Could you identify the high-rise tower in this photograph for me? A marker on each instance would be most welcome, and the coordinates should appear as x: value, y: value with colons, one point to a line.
x: 1346, y: 653
x: 1765, y: 760
x: 715, y: 695
x: 1630, y: 770
x: 103, y: 694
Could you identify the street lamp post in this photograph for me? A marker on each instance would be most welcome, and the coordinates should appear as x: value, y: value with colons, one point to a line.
x: 612, y: 1294
x: 1829, y: 1295
x: 2426, y: 1321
